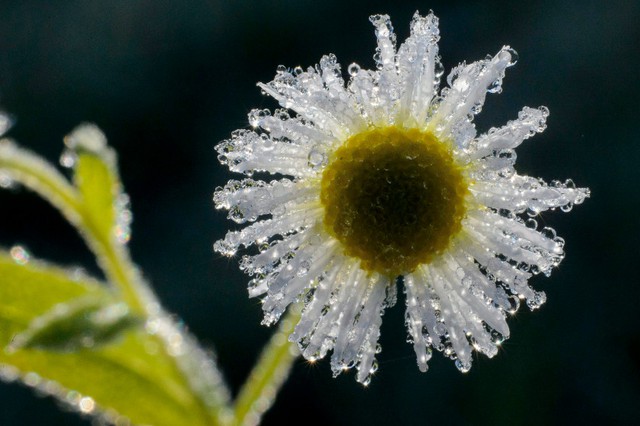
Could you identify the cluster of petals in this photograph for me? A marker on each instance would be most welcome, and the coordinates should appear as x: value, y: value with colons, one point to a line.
x: 456, y: 304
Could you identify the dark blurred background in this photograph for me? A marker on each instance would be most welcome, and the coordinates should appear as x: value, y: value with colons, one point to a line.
x: 167, y: 80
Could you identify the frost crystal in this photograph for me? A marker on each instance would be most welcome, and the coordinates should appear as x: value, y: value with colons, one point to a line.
x: 458, y: 300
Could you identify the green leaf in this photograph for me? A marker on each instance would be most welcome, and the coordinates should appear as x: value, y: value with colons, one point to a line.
x: 98, y: 188
x: 85, y: 322
x: 96, y: 177
x: 132, y: 376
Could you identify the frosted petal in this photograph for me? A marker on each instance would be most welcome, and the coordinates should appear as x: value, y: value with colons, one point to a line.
x: 272, y: 258
x: 419, y: 69
x: 523, y: 193
x: 247, y: 152
x: 510, y: 237
x: 323, y: 336
x: 387, y: 90
x: 496, y: 270
x: 317, y: 98
x: 453, y: 320
x: 319, y: 303
x: 364, y: 88
x: 421, y: 318
x: 529, y: 122
x: 281, y: 126
x: 469, y: 85
x: 248, y: 199
x: 299, y: 274
x: 359, y: 328
x: 294, y: 221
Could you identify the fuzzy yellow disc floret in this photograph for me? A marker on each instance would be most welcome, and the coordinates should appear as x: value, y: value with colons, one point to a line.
x: 394, y: 198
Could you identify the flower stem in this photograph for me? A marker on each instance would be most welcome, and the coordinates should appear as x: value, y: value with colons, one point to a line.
x: 259, y: 391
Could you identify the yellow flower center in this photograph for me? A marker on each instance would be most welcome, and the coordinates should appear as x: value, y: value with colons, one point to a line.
x: 394, y: 198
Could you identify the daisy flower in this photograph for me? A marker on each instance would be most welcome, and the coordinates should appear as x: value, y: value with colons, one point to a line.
x: 382, y: 182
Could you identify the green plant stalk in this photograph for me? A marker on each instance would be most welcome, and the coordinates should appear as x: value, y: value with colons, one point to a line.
x: 39, y: 176
x: 267, y: 377
x: 258, y: 393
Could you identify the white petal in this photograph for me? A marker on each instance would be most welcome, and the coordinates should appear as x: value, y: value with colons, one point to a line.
x: 248, y: 199
x: 322, y: 337
x: 364, y: 88
x: 499, y: 270
x: 452, y: 316
x: 386, y: 92
x: 529, y: 122
x: 421, y: 318
x: 293, y: 221
x: 299, y: 273
x: 521, y: 193
x: 281, y: 126
x: 469, y: 85
x: 248, y: 152
x: 359, y: 327
x: 420, y: 69
x: 329, y: 108
x: 511, y: 238
x: 271, y: 259
x: 318, y: 305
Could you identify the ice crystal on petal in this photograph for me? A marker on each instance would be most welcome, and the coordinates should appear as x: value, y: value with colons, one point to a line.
x: 459, y: 300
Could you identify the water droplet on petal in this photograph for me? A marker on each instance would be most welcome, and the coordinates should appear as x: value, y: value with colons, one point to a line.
x: 464, y: 367
x: 514, y: 303
x: 514, y: 56
x: 316, y: 158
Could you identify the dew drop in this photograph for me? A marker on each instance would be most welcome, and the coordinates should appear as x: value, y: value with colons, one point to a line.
x: 32, y: 379
x: 537, y: 300
x: 316, y: 158
x: 225, y: 248
x: 567, y: 207
x: 123, y: 219
x: 514, y: 56
x: 495, y: 86
x: 514, y: 303
x: 68, y: 158
x: 550, y: 233
x: 6, y: 182
x: 464, y: 367
x: 304, y: 267
x: 9, y: 374
x: 86, y: 405
x: 440, y: 329
x: 5, y: 123
x: 353, y: 69
x: 20, y: 255
x: 438, y: 70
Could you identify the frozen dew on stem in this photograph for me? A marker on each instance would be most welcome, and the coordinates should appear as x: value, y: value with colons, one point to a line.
x: 20, y: 255
x: 384, y: 176
x: 124, y: 217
